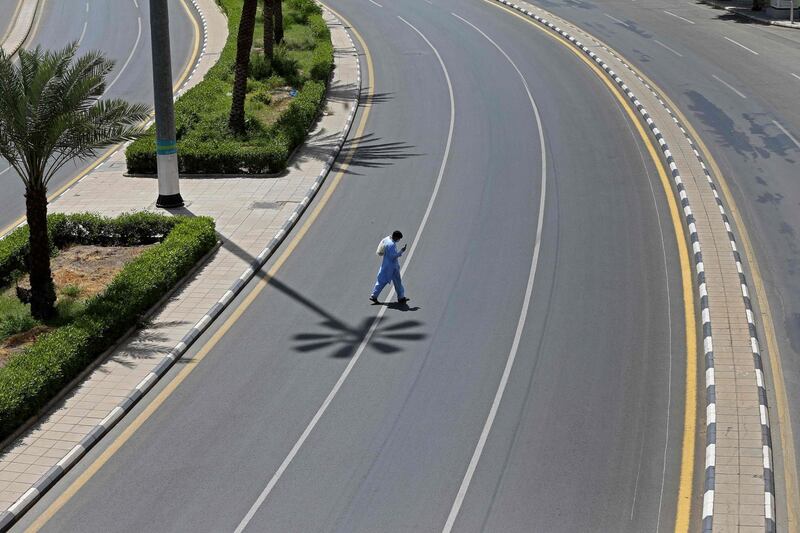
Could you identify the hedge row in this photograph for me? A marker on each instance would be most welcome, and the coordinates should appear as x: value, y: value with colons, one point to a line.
x: 204, y: 144
x: 31, y: 378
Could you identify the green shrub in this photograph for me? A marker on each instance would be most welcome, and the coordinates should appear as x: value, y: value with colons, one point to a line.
x: 284, y: 65
x: 13, y: 255
x: 15, y: 323
x: 301, y: 10
x: 322, y: 62
x: 30, y: 379
x: 260, y: 67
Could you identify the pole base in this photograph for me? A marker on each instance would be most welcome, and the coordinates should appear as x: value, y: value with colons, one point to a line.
x: 168, y: 201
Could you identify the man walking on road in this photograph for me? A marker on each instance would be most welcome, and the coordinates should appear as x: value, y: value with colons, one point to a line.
x: 390, y: 268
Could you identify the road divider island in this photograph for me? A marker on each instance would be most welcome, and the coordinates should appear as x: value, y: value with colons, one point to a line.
x: 284, y: 97
x: 119, y: 270
x: 57, y: 351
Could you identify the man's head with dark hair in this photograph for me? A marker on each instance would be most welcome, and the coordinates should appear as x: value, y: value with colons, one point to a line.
x: 397, y: 235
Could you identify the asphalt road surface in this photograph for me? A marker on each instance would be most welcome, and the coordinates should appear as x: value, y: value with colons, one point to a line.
x: 121, y: 30
x: 738, y: 83
x: 587, y: 433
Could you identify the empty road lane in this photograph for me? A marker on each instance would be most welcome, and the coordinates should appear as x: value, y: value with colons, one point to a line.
x: 536, y: 380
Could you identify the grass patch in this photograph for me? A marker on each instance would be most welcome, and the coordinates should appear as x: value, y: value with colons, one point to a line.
x: 86, y: 328
x: 303, y: 63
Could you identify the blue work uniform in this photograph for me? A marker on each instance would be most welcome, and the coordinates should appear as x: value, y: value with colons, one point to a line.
x: 390, y: 269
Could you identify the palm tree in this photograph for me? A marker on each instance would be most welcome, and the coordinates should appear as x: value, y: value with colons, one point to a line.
x: 269, y: 29
x: 51, y: 112
x: 278, y: 7
x: 244, y: 42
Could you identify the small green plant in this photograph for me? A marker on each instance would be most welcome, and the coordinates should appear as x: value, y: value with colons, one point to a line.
x: 68, y: 310
x: 16, y: 323
x: 284, y: 64
x: 70, y: 291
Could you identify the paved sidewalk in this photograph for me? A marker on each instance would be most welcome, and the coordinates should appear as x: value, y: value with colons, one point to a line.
x: 21, y: 27
x: 739, y: 493
x: 248, y: 211
x: 742, y: 8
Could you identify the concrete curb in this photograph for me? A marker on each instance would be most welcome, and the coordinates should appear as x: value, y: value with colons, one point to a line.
x: 23, y: 24
x: 710, y: 456
x: 9, y: 517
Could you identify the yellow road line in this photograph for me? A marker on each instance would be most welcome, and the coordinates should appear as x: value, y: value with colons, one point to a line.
x: 792, y: 486
x: 191, y: 364
x: 105, y: 155
x: 685, y: 486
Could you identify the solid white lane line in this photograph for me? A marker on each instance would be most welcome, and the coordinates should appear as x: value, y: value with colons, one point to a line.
x: 615, y: 19
x: 728, y: 85
x: 795, y: 75
x: 523, y: 315
x: 364, y: 343
x: 678, y: 17
x: 376, y: 3
x: 743, y: 46
x: 83, y: 32
x: 127, y: 61
x: 786, y: 132
x: 667, y: 47
x: 9, y: 167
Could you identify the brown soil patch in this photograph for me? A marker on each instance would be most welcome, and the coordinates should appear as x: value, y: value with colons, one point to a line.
x: 89, y: 268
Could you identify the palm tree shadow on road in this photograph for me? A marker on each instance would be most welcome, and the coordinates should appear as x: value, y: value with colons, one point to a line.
x: 334, y: 332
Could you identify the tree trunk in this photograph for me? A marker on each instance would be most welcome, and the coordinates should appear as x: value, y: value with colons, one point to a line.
x: 269, y: 25
x: 278, y: 10
x: 244, y: 43
x: 43, y: 294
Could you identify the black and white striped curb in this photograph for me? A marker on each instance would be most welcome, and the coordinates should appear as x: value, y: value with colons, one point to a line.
x: 708, y: 345
x: 766, y: 435
x: 202, y: 54
x: 10, y: 516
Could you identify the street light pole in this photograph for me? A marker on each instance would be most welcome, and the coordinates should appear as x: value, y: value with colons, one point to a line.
x: 169, y: 191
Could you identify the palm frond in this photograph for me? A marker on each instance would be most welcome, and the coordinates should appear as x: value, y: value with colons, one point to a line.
x: 51, y: 111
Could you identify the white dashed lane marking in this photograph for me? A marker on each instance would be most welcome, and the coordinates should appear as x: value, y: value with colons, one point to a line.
x: 678, y: 17
x: 729, y: 86
x: 742, y: 46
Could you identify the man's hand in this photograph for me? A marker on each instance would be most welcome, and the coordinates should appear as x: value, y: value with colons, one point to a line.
x: 403, y: 249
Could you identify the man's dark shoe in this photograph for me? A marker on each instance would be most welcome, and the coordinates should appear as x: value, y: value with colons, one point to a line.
x: 403, y: 301
x: 373, y: 299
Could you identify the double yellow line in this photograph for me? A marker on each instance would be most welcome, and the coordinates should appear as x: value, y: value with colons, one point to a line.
x: 106, y: 154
